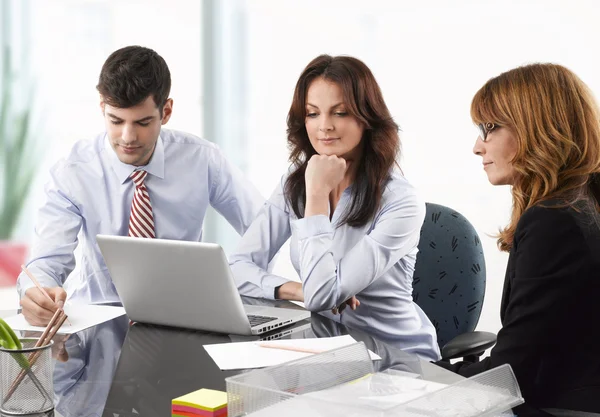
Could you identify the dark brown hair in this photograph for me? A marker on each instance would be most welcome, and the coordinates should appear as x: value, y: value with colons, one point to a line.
x: 556, y: 122
x: 132, y: 74
x: 381, y: 145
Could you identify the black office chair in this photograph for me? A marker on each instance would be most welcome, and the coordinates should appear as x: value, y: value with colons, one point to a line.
x: 449, y: 282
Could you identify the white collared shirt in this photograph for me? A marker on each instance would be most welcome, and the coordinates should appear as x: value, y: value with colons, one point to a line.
x: 374, y: 262
x: 90, y: 193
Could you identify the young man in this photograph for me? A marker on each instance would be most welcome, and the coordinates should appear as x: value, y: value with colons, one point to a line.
x: 135, y: 179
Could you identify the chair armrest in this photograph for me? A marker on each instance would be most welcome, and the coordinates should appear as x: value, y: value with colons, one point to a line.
x: 468, y: 344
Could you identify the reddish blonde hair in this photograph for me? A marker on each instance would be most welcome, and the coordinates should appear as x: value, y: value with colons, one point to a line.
x: 555, y: 120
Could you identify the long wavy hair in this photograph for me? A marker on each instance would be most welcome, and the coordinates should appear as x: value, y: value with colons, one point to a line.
x: 555, y: 120
x: 381, y: 145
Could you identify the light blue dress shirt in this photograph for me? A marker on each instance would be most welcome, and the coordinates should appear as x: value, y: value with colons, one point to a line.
x: 375, y: 262
x: 90, y: 193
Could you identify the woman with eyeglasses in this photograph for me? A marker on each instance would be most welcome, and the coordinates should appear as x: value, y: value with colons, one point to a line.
x: 354, y: 221
x: 540, y: 133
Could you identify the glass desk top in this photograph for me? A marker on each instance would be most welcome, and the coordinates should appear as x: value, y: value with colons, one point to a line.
x: 119, y: 369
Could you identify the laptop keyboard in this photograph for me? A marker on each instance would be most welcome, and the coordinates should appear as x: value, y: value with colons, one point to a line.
x: 258, y: 320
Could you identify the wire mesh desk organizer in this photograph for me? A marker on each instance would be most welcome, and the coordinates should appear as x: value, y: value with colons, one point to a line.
x: 26, y: 374
x: 343, y: 382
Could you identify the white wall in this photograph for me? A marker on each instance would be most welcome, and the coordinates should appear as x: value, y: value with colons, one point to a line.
x: 63, y: 44
x: 69, y: 42
x: 429, y: 57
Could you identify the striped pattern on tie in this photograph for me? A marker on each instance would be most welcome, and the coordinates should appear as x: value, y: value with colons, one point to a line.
x: 141, y: 221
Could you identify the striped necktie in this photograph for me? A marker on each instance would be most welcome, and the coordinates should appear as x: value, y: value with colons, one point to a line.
x: 141, y: 221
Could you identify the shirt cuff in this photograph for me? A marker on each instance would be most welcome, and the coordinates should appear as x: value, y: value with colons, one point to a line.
x: 269, y: 285
x: 276, y: 292
x: 22, y: 288
x: 312, y: 226
x: 24, y: 282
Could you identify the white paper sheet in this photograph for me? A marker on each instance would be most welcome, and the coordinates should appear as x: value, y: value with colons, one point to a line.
x: 80, y: 316
x: 248, y: 355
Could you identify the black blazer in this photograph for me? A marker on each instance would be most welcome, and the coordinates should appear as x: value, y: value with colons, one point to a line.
x: 550, y: 311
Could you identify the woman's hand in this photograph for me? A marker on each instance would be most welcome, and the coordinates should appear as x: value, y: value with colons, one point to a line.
x: 352, y: 302
x: 323, y: 174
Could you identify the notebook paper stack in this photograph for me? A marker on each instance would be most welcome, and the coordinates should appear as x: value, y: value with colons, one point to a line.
x: 204, y: 402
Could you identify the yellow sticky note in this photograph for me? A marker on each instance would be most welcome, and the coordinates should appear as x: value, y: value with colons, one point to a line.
x: 205, y: 399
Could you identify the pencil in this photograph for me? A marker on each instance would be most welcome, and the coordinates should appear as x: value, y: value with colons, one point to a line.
x: 48, y: 329
x: 291, y: 348
x: 37, y: 284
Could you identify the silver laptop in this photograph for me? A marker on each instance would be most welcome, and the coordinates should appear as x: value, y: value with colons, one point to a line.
x: 185, y: 284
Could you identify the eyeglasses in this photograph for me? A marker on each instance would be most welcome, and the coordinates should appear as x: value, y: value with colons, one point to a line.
x: 485, y: 128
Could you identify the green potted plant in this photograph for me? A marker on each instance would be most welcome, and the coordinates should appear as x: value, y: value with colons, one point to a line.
x: 17, y: 170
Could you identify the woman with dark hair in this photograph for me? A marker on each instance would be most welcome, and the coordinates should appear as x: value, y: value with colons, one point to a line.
x: 354, y: 221
x: 540, y: 133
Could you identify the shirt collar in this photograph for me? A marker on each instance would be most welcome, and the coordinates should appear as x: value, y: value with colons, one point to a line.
x: 155, y: 167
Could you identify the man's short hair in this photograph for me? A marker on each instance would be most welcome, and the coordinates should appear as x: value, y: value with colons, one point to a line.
x: 132, y: 74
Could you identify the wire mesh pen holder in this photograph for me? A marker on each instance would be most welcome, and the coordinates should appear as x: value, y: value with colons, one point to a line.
x: 26, y: 379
